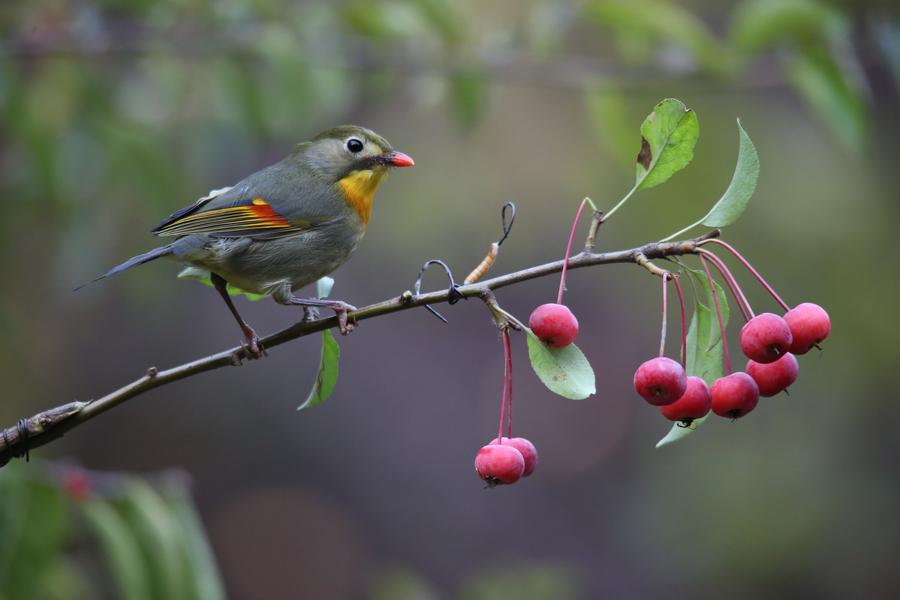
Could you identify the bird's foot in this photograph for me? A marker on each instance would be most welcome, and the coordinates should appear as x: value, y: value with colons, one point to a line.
x: 253, y: 348
x: 341, y: 310
x: 310, y: 313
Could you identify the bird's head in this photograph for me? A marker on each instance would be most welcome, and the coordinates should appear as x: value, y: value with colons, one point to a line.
x: 340, y: 151
x: 355, y: 159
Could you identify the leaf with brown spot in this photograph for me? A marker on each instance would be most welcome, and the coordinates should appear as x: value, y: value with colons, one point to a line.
x: 645, y: 156
x: 668, y: 137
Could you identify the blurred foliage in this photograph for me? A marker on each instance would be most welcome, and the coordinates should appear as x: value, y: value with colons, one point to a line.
x: 113, y: 113
x: 63, y: 525
x: 105, y: 97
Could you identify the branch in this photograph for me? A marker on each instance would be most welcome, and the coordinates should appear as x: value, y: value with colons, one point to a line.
x: 51, y: 424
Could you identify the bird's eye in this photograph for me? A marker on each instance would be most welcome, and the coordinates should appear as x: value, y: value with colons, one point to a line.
x: 354, y: 145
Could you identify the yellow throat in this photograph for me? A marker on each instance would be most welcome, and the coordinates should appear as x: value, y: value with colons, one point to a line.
x: 359, y: 188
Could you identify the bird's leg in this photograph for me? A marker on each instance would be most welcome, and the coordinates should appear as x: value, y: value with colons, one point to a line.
x: 339, y: 307
x: 253, y: 347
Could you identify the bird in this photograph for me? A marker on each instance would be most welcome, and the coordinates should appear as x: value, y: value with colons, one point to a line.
x: 284, y: 226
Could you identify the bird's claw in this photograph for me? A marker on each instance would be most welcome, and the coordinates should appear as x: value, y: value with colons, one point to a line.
x: 253, y: 348
x: 345, y: 324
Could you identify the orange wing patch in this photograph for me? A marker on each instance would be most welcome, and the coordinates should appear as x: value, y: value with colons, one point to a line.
x: 233, y: 221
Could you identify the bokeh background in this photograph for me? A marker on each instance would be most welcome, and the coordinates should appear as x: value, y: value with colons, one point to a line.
x: 113, y: 114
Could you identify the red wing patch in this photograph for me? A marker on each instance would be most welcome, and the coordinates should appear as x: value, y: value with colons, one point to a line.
x: 252, y: 220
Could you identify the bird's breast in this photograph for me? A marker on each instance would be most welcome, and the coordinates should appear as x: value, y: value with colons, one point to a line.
x: 359, y: 188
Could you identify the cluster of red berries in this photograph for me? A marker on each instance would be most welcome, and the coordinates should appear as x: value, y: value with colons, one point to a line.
x: 770, y: 342
x: 506, y: 459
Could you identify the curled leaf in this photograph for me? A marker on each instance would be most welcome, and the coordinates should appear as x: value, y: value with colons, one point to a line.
x: 734, y: 201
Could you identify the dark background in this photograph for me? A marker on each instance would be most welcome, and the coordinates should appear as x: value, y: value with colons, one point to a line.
x: 115, y: 114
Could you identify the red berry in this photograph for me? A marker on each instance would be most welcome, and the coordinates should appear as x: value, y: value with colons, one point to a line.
x: 734, y: 395
x: 660, y: 381
x: 809, y: 325
x: 554, y: 324
x: 76, y: 483
x: 765, y: 338
x: 693, y: 404
x: 499, y: 463
x: 529, y: 452
x: 774, y: 377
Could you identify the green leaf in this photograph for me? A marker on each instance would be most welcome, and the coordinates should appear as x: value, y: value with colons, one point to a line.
x: 205, y: 577
x: 469, y: 97
x: 827, y: 86
x: 565, y: 371
x: 641, y: 27
x: 759, y: 25
x: 329, y: 360
x: 704, y: 346
x: 328, y: 372
x: 202, y: 275
x: 668, y: 137
x: 734, y: 201
x: 159, y: 535
x: 34, y: 528
x: 607, y: 111
x: 121, y: 549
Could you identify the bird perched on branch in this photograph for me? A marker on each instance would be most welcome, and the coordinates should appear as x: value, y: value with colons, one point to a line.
x: 285, y: 226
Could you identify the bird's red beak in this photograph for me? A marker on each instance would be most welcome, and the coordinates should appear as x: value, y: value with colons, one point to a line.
x: 398, y: 159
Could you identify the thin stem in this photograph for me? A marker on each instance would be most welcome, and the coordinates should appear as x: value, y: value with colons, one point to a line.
x: 507, y: 349
x: 681, y: 231
x: 677, y: 280
x: 712, y: 288
x: 662, y: 335
x: 621, y: 202
x: 562, y: 277
x: 505, y: 335
x: 750, y: 268
x: 732, y: 283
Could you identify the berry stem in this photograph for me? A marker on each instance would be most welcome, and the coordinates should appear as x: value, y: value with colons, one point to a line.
x: 677, y: 280
x: 562, y: 276
x: 750, y: 268
x: 712, y: 288
x: 507, y: 350
x: 504, y: 335
x: 662, y: 335
x: 736, y: 290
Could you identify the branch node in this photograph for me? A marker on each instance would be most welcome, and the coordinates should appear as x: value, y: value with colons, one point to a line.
x: 503, y: 319
x: 406, y: 298
x: 596, y: 222
x: 152, y: 372
x: 641, y: 259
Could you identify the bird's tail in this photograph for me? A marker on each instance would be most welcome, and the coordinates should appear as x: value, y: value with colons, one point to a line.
x: 132, y: 262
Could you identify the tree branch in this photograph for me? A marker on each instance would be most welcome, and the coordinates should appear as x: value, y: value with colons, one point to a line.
x: 51, y: 424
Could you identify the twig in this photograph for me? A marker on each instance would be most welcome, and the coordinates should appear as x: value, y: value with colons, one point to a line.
x: 51, y: 424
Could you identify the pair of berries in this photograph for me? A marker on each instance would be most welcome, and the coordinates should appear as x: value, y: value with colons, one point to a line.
x: 506, y: 460
x: 769, y: 341
x: 767, y: 337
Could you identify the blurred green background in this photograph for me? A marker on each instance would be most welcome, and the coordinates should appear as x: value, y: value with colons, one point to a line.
x: 115, y: 113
